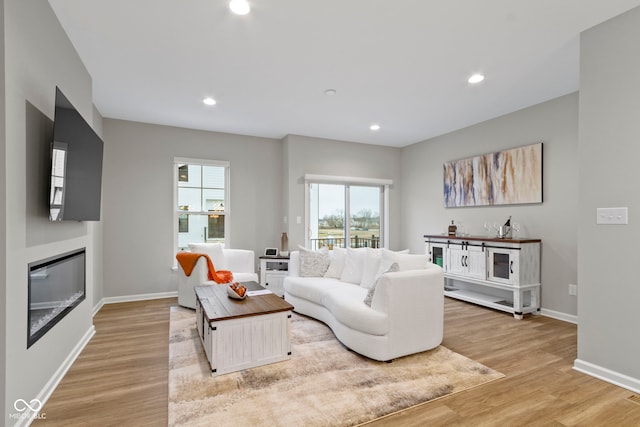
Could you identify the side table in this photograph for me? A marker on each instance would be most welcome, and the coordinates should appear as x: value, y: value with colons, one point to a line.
x: 273, y: 270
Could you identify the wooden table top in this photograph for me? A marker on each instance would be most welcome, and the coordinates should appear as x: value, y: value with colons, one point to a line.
x: 217, y: 305
x: 483, y: 238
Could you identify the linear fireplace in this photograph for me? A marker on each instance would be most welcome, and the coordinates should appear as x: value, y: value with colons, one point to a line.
x: 56, y: 286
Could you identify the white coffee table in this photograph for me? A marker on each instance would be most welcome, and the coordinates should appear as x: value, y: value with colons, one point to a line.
x: 242, y: 334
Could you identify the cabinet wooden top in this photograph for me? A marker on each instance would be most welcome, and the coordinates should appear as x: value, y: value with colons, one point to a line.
x: 481, y: 238
x: 218, y: 306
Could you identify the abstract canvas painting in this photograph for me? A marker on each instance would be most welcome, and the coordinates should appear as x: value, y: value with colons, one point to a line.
x: 506, y: 177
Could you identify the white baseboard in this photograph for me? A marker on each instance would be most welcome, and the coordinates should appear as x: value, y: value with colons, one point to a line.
x: 131, y: 298
x: 616, y: 378
x: 559, y: 315
x: 97, y: 307
x: 55, y: 379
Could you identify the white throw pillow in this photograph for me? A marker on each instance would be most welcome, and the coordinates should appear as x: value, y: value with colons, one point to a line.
x: 353, y: 266
x: 313, y: 263
x: 372, y: 289
x: 215, y: 252
x: 336, y: 264
x: 371, y: 266
x: 405, y: 261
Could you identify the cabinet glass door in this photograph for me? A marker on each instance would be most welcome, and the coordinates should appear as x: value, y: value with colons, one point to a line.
x: 503, y: 266
x: 438, y: 255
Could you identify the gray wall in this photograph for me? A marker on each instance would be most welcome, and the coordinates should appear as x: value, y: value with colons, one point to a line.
x: 38, y: 56
x: 138, y: 199
x: 609, y: 134
x: 555, y: 123
x: 138, y: 183
x: 306, y: 155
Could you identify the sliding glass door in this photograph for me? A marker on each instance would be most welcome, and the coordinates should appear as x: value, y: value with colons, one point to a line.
x: 364, y: 216
x: 345, y: 215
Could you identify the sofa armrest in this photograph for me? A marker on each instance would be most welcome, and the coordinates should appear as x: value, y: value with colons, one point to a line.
x: 240, y: 260
x: 414, y: 302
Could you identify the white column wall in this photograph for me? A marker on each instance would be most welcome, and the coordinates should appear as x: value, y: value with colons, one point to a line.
x: 608, y: 344
x: 38, y: 57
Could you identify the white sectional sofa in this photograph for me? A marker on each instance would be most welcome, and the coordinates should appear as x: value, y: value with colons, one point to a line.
x: 241, y: 262
x: 407, y: 307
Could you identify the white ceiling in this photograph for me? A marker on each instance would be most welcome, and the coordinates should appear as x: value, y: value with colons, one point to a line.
x: 400, y: 63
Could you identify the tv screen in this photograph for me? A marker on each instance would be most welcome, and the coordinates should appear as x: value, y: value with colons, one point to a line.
x: 76, y: 166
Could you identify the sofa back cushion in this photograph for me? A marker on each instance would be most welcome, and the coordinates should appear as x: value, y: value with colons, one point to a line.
x: 372, y: 270
x: 294, y: 264
x: 405, y: 261
x: 354, y: 265
x: 367, y: 300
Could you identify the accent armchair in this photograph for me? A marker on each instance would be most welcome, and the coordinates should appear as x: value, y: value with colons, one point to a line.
x: 241, y: 262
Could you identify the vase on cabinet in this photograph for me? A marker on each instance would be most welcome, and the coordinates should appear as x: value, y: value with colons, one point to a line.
x: 284, y: 244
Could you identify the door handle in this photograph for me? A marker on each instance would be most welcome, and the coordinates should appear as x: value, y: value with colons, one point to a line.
x: 511, y: 267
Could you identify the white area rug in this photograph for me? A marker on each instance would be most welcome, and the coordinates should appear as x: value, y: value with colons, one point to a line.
x: 323, y: 384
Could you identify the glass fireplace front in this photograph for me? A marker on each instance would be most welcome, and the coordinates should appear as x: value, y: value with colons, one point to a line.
x: 56, y: 286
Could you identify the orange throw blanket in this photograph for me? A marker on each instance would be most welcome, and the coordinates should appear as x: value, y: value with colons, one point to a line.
x: 188, y: 260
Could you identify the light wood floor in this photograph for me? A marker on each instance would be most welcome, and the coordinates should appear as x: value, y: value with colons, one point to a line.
x: 121, y: 376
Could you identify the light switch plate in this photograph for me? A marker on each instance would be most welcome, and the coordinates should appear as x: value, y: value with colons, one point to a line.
x: 612, y: 216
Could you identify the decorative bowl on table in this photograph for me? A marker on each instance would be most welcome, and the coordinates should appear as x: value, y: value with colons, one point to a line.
x: 236, y: 291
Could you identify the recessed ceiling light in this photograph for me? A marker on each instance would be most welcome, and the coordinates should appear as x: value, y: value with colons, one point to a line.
x: 330, y: 92
x: 476, y: 78
x: 209, y: 101
x: 239, y: 7
x: 374, y: 127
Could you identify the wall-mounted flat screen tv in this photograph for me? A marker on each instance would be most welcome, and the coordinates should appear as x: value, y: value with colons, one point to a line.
x: 76, y: 166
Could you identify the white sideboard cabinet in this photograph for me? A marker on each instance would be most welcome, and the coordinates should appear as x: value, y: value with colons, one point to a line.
x: 503, y: 274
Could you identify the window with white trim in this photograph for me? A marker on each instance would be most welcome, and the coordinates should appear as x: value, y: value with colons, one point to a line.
x: 346, y: 212
x: 201, y: 201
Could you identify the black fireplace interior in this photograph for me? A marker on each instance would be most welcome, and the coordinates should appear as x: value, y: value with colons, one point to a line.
x: 56, y: 286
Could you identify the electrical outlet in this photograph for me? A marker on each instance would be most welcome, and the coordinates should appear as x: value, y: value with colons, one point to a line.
x: 573, y: 289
